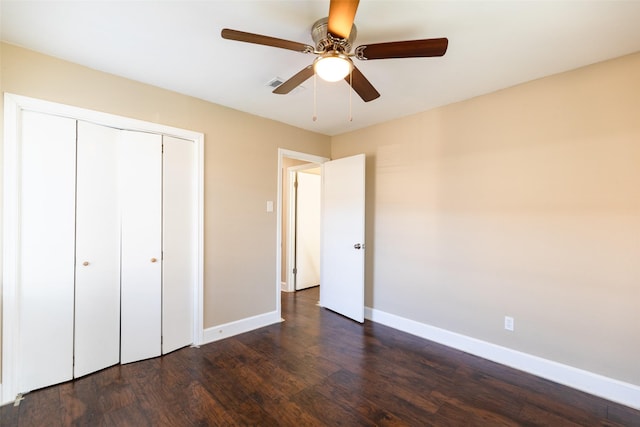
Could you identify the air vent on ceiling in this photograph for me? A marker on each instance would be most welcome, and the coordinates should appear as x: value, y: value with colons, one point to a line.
x: 275, y: 82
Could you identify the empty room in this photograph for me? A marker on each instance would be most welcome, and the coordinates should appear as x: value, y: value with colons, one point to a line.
x: 470, y: 254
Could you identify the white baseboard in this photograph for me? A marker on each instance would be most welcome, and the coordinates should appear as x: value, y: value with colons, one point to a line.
x: 227, y: 330
x: 589, y: 382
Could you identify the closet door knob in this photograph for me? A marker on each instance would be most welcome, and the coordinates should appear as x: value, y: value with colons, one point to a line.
x: 85, y: 263
x: 153, y: 260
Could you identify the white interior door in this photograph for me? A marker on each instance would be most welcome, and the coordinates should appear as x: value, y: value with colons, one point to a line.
x: 178, y: 241
x: 140, y: 187
x: 307, y: 239
x: 342, y: 245
x: 46, y: 248
x: 97, y: 293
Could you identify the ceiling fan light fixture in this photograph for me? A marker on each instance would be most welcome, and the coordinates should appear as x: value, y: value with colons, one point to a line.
x: 333, y: 66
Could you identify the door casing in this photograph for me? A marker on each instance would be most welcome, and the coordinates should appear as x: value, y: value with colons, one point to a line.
x: 282, y: 154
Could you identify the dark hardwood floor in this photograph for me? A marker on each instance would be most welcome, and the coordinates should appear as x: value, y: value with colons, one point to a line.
x: 316, y: 368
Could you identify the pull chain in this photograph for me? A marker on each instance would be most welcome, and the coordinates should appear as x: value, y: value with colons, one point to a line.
x: 315, y: 102
x: 350, y: 93
x: 315, y: 96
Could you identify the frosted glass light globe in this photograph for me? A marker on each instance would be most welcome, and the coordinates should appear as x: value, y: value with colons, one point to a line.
x: 332, y: 66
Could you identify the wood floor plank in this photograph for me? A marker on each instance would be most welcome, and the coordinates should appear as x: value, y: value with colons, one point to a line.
x: 200, y: 408
x: 233, y: 396
x: 623, y: 415
x: 326, y: 409
x: 41, y: 408
x: 259, y: 373
x: 534, y: 415
x: 315, y: 369
x: 74, y: 409
x: 457, y: 413
x: 412, y: 404
x: 9, y: 414
x: 374, y: 401
x: 287, y: 412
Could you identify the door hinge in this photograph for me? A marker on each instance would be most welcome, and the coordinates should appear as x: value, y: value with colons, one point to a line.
x: 295, y: 271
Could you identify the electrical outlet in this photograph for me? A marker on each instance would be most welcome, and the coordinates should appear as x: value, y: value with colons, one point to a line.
x: 508, y: 323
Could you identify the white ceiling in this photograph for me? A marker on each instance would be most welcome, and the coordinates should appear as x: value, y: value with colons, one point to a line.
x: 177, y: 45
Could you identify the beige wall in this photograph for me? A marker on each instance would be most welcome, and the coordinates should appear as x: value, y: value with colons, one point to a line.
x: 524, y: 202
x: 241, y: 167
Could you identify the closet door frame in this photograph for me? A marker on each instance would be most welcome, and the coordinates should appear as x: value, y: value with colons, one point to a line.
x: 13, y: 106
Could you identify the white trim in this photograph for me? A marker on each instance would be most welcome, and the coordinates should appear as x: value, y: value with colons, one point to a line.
x: 100, y: 118
x: 291, y: 230
x: 198, y: 297
x: 282, y: 153
x: 226, y: 330
x: 10, y: 253
x: 589, y: 382
x: 13, y: 104
x: 284, y: 287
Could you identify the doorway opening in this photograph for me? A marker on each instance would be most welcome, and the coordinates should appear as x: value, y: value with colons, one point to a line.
x: 303, y: 227
x: 292, y: 247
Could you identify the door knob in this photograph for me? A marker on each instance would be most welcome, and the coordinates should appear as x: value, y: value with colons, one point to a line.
x: 153, y: 260
x: 85, y: 263
x: 357, y: 246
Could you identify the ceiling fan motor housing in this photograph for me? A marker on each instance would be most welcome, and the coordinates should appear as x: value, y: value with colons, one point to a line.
x: 325, y: 42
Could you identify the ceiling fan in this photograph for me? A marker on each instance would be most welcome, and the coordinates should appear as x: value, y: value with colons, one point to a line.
x: 334, y: 37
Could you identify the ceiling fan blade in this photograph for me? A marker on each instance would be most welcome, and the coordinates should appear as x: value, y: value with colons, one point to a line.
x: 405, y: 49
x: 294, y: 81
x: 362, y: 86
x: 341, y: 16
x: 241, y: 36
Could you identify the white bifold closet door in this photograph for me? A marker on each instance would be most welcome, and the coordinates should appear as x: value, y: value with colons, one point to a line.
x: 97, y: 207
x: 46, y: 248
x: 179, y: 213
x: 97, y: 292
x: 140, y: 183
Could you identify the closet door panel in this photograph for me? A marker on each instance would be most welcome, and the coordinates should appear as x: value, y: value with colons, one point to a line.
x: 178, y: 243
x: 46, y: 250
x: 97, y: 304
x: 141, y: 242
